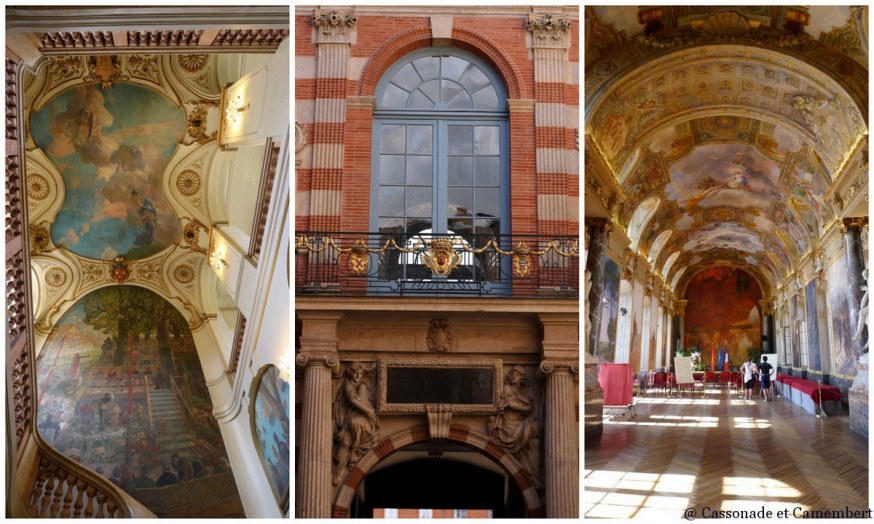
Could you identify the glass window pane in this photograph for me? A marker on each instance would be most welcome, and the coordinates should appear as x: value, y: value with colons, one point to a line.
x: 431, y: 90
x: 391, y: 225
x: 419, y: 140
x: 428, y: 67
x: 462, y: 101
x: 486, y: 99
x: 418, y: 100
x: 391, y: 169
x: 394, y: 97
x: 488, y: 170
x: 419, y: 171
x: 474, y: 79
x: 416, y: 225
x: 419, y: 201
x: 485, y: 140
x: 392, y: 140
x: 489, y: 227
x: 453, y: 67
x: 488, y: 202
x: 460, y: 201
x: 461, y: 226
x: 407, y: 78
x: 460, y: 171
x: 450, y: 90
x: 460, y: 140
x: 391, y: 201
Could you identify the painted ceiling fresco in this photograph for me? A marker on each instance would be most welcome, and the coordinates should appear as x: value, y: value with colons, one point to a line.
x: 111, y: 147
x: 739, y: 144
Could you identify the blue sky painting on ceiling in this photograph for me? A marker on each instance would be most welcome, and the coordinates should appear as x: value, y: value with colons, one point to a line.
x: 111, y: 147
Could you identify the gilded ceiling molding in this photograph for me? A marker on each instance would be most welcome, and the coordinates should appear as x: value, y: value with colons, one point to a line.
x: 40, y: 239
x: 601, y: 37
x: 193, y: 63
x: 334, y: 27
x: 144, y: 67
x: 196, y: 130
x: 848, y: 37
x: 104, y: 69
x: 68, y: 40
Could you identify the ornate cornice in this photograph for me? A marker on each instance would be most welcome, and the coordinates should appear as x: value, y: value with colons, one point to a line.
x: 334, y: 27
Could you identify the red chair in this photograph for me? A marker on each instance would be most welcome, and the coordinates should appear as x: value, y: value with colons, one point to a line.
x: 658, y: 381
x: 725, y: 379
x: 709, y: 378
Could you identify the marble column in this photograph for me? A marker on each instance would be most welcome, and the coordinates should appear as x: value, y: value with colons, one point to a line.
x: 770, y: 345
x: 599, y: 230
x: 681, y: 314
x: 318, y: 358
x: 561, y: 440
x: 859, y: 391
x: 855, y: 266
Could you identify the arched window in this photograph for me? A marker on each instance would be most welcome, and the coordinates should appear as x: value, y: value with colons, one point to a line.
x: 440, y: 148
x: 639, y: 219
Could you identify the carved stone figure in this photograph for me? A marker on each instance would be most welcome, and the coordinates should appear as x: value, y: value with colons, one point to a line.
x: 356, y: 426
x: 515, y: 428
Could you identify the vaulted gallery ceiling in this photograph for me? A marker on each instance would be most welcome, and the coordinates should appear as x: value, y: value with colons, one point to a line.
x: 739, y: 132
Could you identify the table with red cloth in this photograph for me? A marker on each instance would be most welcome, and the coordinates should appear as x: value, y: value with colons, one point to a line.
x: 807, y: 394
x: 615, y: 380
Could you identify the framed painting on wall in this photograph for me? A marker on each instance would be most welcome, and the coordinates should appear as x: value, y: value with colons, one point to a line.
x: 270, y: 426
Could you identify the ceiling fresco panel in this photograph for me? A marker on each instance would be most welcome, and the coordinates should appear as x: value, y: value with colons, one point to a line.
x: 111, y: 147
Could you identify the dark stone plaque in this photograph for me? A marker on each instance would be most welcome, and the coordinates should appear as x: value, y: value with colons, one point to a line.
x: 456, y: 385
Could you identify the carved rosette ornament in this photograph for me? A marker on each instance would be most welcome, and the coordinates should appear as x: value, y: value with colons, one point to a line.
x: 356, y: 424
x: 440, y: 257
x: 37, y: 187
x: 334, y: 26
x: 549, y: 31
x: 188, y: 182
x: 55, y: 277
x: 192, y: 63
x: 439, y: 336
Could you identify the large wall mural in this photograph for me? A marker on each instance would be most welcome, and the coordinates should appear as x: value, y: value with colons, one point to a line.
x: 844, y: 350
x: 725, y: 315
x: 121, y: 390
x: 111, y: 147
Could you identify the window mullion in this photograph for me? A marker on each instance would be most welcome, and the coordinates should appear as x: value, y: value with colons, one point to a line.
x: 441, y: 160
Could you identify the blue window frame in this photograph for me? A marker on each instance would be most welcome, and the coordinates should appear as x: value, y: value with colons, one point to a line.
x: 440, y: 149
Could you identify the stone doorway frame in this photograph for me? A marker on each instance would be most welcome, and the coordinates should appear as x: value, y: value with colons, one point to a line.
x: 458, y: 433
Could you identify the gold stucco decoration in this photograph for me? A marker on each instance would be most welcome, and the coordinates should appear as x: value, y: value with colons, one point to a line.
x: 184, y: 273
x: 37, y: 187
x: 192, y: 63
x: 55, y: 277
x: 188, y: 182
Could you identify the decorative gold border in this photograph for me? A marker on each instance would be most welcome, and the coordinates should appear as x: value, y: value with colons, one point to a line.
x: 384, y: 407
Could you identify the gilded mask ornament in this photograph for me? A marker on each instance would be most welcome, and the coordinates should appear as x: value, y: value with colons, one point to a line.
x: 521, y: 260
x: 440, y: 258
x: 359, y: 260
x: 104, y: 68
x: 119, y: 270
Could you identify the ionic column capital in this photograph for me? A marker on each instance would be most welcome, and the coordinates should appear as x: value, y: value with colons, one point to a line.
x: 548, y: 367
x: 328, y: 360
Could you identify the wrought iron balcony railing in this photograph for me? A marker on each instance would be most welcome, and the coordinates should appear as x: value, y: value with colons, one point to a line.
x: 428, y: 264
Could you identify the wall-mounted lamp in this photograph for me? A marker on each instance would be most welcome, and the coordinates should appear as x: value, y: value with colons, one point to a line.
x: 235, y: 107
x: 216, y: 258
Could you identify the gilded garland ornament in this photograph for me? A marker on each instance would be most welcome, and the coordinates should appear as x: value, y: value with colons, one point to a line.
x: 55, y: 277
x: 37, y: 187
x: 192, y: 63
x: 188, y: 183
x: 184, y: 273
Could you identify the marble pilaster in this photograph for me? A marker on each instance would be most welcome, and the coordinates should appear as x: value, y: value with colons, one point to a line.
x: 599, y: 229
x: 561, y: 451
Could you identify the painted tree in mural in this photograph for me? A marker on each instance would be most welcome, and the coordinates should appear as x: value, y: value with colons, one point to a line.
x: 121, y: 390
x: 123, y: 311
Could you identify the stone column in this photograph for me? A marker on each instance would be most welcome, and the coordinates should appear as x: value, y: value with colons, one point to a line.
x: 681, y: 314
x: 335, y: 34
x: 560, y: 368
x: 670, y: 345
x: 770, y: 346
x: 318, y: 357
x: 599, y: 230
x: 562, y: 442
x: 855, y: 266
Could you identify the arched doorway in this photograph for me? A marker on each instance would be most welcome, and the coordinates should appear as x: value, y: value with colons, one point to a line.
x: 434, y: 481
x: 476, y: 449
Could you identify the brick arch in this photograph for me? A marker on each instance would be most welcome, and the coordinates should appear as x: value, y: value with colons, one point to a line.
x: 459, y: 433
x: 410, y: 40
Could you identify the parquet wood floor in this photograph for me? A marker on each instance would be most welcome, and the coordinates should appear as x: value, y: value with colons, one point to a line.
x: 717, y: 452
